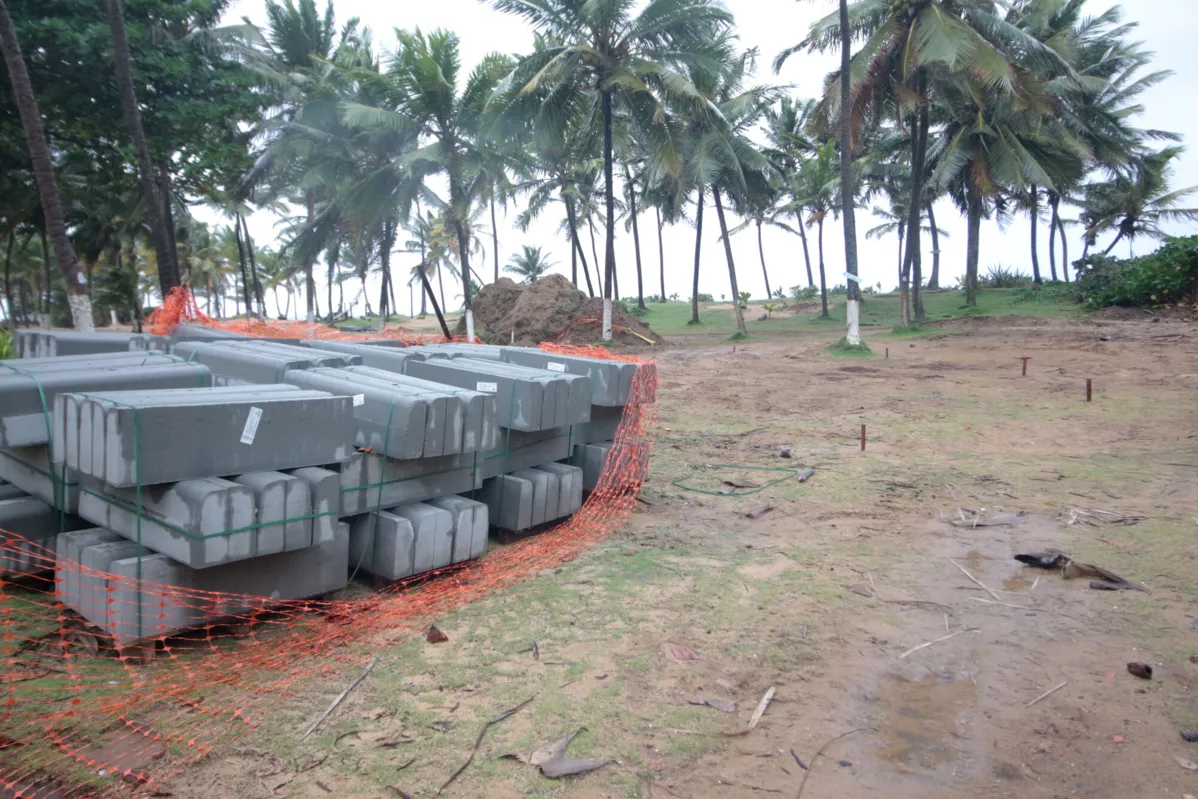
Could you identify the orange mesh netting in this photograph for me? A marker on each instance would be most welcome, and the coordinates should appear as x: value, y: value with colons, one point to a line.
x: 79, y: 717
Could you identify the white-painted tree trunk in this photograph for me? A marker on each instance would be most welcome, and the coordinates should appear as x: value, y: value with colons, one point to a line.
x: 606, y: 319
x: 469, y: 326
x: 112, y: 317
x: 854, y: 315
x: 81, y: 312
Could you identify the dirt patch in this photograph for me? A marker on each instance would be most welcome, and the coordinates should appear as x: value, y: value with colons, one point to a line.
x: 551, y: 309
x: 990, y: 322
x: 1118, y: 314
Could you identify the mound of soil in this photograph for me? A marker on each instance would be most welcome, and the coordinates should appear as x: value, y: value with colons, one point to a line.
x: 551, y: 309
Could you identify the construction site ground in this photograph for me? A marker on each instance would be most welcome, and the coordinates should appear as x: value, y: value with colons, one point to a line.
x: 822, y: 599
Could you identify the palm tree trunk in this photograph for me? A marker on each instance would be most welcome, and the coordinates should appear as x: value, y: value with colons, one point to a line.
x: 309, y: 279
x: 428, y: 292
x: 609, y: 267
x: 600, y: 278
x: 823, y: 281
x: 494, y: 236
x: 902, y: 234
x: 934, y: 280
x: 911, y: 263
x: 47, y: 298
x: 424, y: 296
x: 43, y: 173
x: 661, y: 253
x: 972, y: 244
x: 245, y: 281
x: 761, y: 252
x: 698, y: 251
x: 249, y: 246
x: 1118, y: 238
x: 441, y: 286
x: 1034, y: 213
x: 331, y: 261
x: 847, y: 194
x: 806, y: 254
x: 1064, y: 248
x: 1052, y: 241
x: 636, y: 240
x: 168, y: 268
x: 12, y: 318
x: 739, y: 312
x: 572, y: 220
x: 278, y: 305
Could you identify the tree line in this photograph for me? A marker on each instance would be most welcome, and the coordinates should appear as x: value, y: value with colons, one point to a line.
x: 118, y: 118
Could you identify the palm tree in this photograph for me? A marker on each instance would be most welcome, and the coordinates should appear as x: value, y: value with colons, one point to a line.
x: 160, y: 232
x: 78, y: 296
x: 1137, y: 203
x: 531, y: 264
x: 424, y: 97
x: 629, y: 61
x: 789, y: 143
x: 816, y: 185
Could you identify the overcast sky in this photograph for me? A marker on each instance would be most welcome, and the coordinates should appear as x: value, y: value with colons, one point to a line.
x: 1166, y: 26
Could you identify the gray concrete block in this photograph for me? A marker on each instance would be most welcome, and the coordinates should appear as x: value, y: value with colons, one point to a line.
x: 258, y: 362
x: 28, y: 532
x: 571, y: 480
x: 571, y: 393
x: 605, y: 421
x: 324, y: 489
x: 376, y: 355
x: 271, y: 495
x: 471, y: 523
x: 518, y: 402
x: 370, y: 481
x: 518, y: 450
x: 382, y: 544
x: 30, y: 469
x: 545, y: 491
x: 153, y: 597
x: 151, y: 440
x: 591, y: 458
x: 27, y: 396
x: 68, y: 547
x: 200, y: 523
x: 610, y: 380
x: 52, y: 343
x: 478, y: 424
x: 95, y: 562
x: 10, y: 491
x: 509, y: 502
x: 433, y: 528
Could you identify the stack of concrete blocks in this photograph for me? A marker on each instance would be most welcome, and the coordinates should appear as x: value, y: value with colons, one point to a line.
x: 28, y: 531
x: 214, y: 489
x: 49, y: 343
x: 256, y: 361
x: 28, y: 389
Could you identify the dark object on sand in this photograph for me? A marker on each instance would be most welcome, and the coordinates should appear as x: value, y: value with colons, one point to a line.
x: 1101, y: 579
x: 1141, y: 670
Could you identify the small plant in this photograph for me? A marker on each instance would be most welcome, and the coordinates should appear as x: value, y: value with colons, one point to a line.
x: 744, y: 297
x: 5, y: 345
x: 844, y: 349
x: 804, y: 293
x: 1001, y: 277
x: 674, y: 297
x: 769, y: 309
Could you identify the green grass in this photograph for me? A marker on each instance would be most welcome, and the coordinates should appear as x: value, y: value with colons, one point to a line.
x: 672, y: 318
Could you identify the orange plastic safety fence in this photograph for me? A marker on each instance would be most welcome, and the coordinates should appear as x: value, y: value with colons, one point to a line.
x: 82, y: 717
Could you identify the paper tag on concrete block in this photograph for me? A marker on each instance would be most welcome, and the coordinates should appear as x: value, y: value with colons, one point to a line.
x: 555, y: 367
x: 490, y: 388
x: 251, y: 425
x: 359, y: 399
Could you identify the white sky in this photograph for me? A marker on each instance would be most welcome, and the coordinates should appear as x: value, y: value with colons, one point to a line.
x: 770, y: 26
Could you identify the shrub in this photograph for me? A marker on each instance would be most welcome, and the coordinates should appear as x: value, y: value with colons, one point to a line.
x: 705, y: 297
x: 1169, y: 275
x: 1002, y: 277
x: 804, y: 294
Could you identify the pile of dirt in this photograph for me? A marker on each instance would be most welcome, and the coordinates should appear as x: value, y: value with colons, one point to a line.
x: 551, y: 309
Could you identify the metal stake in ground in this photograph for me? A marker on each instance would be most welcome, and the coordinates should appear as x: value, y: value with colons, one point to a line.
x: 1089, y: 389
x: 1025, y: 360
x: 863, y: 438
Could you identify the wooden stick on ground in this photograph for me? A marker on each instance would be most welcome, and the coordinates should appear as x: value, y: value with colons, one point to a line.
x: 938, y: 640
x: 979, y: 583
x: 761, y: 706
x: 1046, y: 694
x: 478, y: 741
x: 340, y: 698
x: 807, y: 773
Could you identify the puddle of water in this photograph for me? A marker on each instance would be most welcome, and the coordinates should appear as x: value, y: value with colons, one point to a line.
x: 921, y: 720
x: 974, y: 560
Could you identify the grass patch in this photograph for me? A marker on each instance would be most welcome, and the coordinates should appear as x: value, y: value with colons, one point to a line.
x: 843, y: 349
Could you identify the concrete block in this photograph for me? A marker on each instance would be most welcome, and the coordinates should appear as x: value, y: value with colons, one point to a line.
x: 68, y: 547
x: 378, y: 355
x: 95, y: 562
x: 610, y: 381
x: 324, y: 489
x: 470, y: 526
x: 30, y: 469
x: 10, y: 491
x: 433, y: 528
x: 546, y: 489
x: 571, y: 479
x: 152, y: 596
x: 370, y: 481
x: 571, y: 393
x: 518, y: 402
x: 256, y: 361
x: 28, y: 532
x: 278, y: 497
x: 509, y: 501
x: 382, y: 544
x: 151, y: 439
x: 591, y: 458
x: 518, y: 450
x: 478, y: 424
x: 605, y: 421
x: 200, y: 523
x: 27, y: 396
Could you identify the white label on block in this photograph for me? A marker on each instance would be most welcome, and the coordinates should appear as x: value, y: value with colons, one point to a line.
x: 359, y: 399
x: 553, y: 366
x: 490, y: 388
x: 251, y: 425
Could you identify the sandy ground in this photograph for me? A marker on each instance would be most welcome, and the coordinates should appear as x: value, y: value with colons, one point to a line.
x: 825, y: 598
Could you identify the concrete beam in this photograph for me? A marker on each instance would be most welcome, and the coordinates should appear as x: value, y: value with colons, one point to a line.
x: 471, y: 523
x: 31, y: 470
x: 370, y: 481
x: 28, y: 529
x: 255, y: 361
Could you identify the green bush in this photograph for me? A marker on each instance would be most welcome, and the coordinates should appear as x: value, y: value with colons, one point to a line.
x: 1002, y: 277
x: 705, y: 297
x: 1169, y: 275
x: 804, y: 294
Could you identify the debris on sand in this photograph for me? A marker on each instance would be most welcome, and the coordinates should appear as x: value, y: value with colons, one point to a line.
x: 1071, y: 569
x: 550, y: 309
x: 1141, y: 670
x: 551, y: 758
